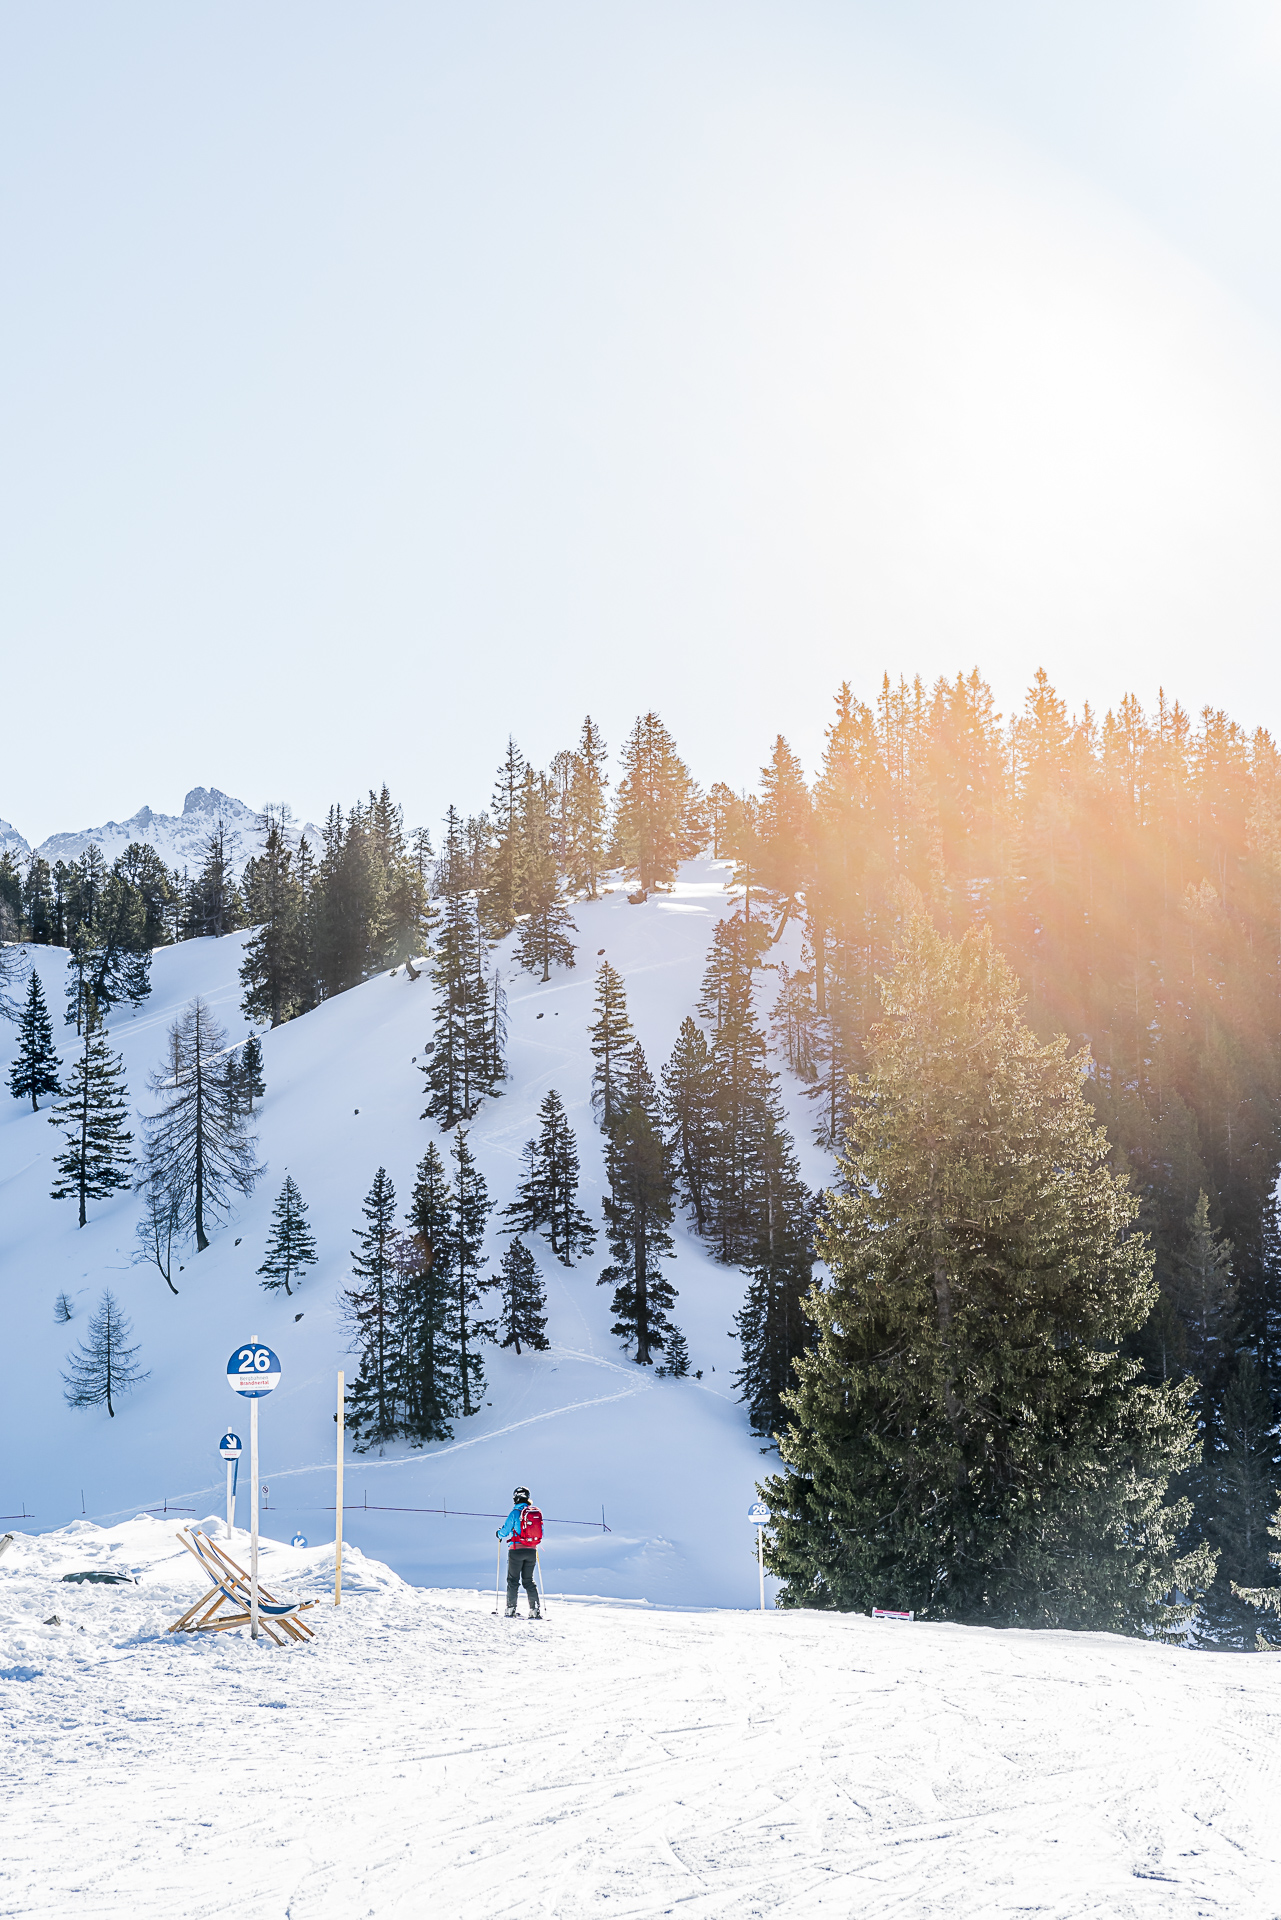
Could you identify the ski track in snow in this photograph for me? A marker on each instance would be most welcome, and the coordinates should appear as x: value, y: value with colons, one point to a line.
x: 423, y: 1756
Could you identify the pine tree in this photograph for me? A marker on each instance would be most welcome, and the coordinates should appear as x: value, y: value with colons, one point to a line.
x: 523, y: 1314
x: 465, y: 1056
x: 432, y: 1361
x: 471, y: 1207
x: 249, y: 1083
x: 214, y: 906
x: 676, y: 1364
x: 505, y: 892
x: 689, y: 1116
x: 291, y: 1245
x: 794, y: 1019
x: 545, y: 929
x: 783, y: 831
x: 1243, y: 1473
x: 96, y: 1160
x: 198, y: 1147
x: 612, y: 1039
x: 638, y: 1214
x: 588, y: 811
x: 771, y: 1324
x: 371, y: 1306
x: 1204, y: 1294
x: 742, y: 1084
x: 273, y: 972
x: 967, y: 1439
x: 102, y: 1367
x: 35, y: 1067
x: 64, y: 1309
x: 547, y: 1198
x: 659, y: 821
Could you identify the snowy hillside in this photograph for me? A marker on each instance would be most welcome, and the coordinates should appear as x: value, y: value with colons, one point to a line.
x: 422, y: 1757
x: 179, y: 839
x: 672, y: 1463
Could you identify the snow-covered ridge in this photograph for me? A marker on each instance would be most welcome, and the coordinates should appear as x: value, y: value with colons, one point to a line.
x: 179, y: 839
x: 672, y: 1463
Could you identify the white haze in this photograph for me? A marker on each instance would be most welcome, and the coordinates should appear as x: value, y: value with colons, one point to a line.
x: 380, y: 382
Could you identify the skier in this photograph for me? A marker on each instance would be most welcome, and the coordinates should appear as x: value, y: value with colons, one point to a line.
x: 522, y: 1530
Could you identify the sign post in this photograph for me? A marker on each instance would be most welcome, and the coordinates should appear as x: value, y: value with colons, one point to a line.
x: 253, y: 1372
x: 758, y: 1514
x: 342, y: 1419
x: 230, y: 1449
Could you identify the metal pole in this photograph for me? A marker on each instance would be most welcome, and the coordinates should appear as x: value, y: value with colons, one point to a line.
x: 342, y: 1421
x: 253, y: 1520
x: 231, y: 1500
x: 760, y: 1561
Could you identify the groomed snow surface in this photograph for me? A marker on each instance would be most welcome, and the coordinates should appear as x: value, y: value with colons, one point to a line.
x: 423, y: 1757
x: 656, y: 1746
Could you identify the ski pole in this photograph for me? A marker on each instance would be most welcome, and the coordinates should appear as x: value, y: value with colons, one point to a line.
x: 498, y: 1574
x: 538, y: 1562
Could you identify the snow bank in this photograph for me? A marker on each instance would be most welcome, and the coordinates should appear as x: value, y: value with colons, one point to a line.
x: 423, y: 1757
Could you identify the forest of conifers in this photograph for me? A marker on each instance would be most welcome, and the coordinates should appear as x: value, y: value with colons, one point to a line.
x: 1129, y: 868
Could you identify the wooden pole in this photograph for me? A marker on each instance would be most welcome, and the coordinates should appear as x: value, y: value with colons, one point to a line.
x: 253, y: 1520
x: 342, y: 1421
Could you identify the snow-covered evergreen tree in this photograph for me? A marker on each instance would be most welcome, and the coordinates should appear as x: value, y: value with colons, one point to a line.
x: 64, y: 1309
x: 35, y: 1066
x: 523, y: 1314
x: 102, y: 1368
x: 96, y: 1158
x: 291, y: 1244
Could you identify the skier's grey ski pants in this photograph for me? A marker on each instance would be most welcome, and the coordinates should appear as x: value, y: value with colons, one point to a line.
x: 521, y: 1562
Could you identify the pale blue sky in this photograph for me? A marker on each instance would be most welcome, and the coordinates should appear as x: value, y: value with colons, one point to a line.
x: 380, y: 379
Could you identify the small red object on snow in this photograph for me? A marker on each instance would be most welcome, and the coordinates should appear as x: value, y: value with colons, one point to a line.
x: 891, y: 1613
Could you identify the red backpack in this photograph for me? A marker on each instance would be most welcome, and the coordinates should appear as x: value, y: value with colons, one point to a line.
x: 531, y: 1529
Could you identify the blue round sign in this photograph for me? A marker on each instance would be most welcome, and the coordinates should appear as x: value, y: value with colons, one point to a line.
x: 253, y: 1371
x: 229, y: 1446
x: 758, y: 1513
x: 299, y: 1540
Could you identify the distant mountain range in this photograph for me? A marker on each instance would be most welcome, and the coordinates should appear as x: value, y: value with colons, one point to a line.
x: 179, y: 839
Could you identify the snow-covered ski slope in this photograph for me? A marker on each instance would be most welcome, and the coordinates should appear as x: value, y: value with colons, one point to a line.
x: 422, y: 1757
x: 672, y: 1463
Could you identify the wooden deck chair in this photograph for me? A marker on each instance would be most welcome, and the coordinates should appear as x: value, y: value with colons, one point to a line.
x: 278, y: 1619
